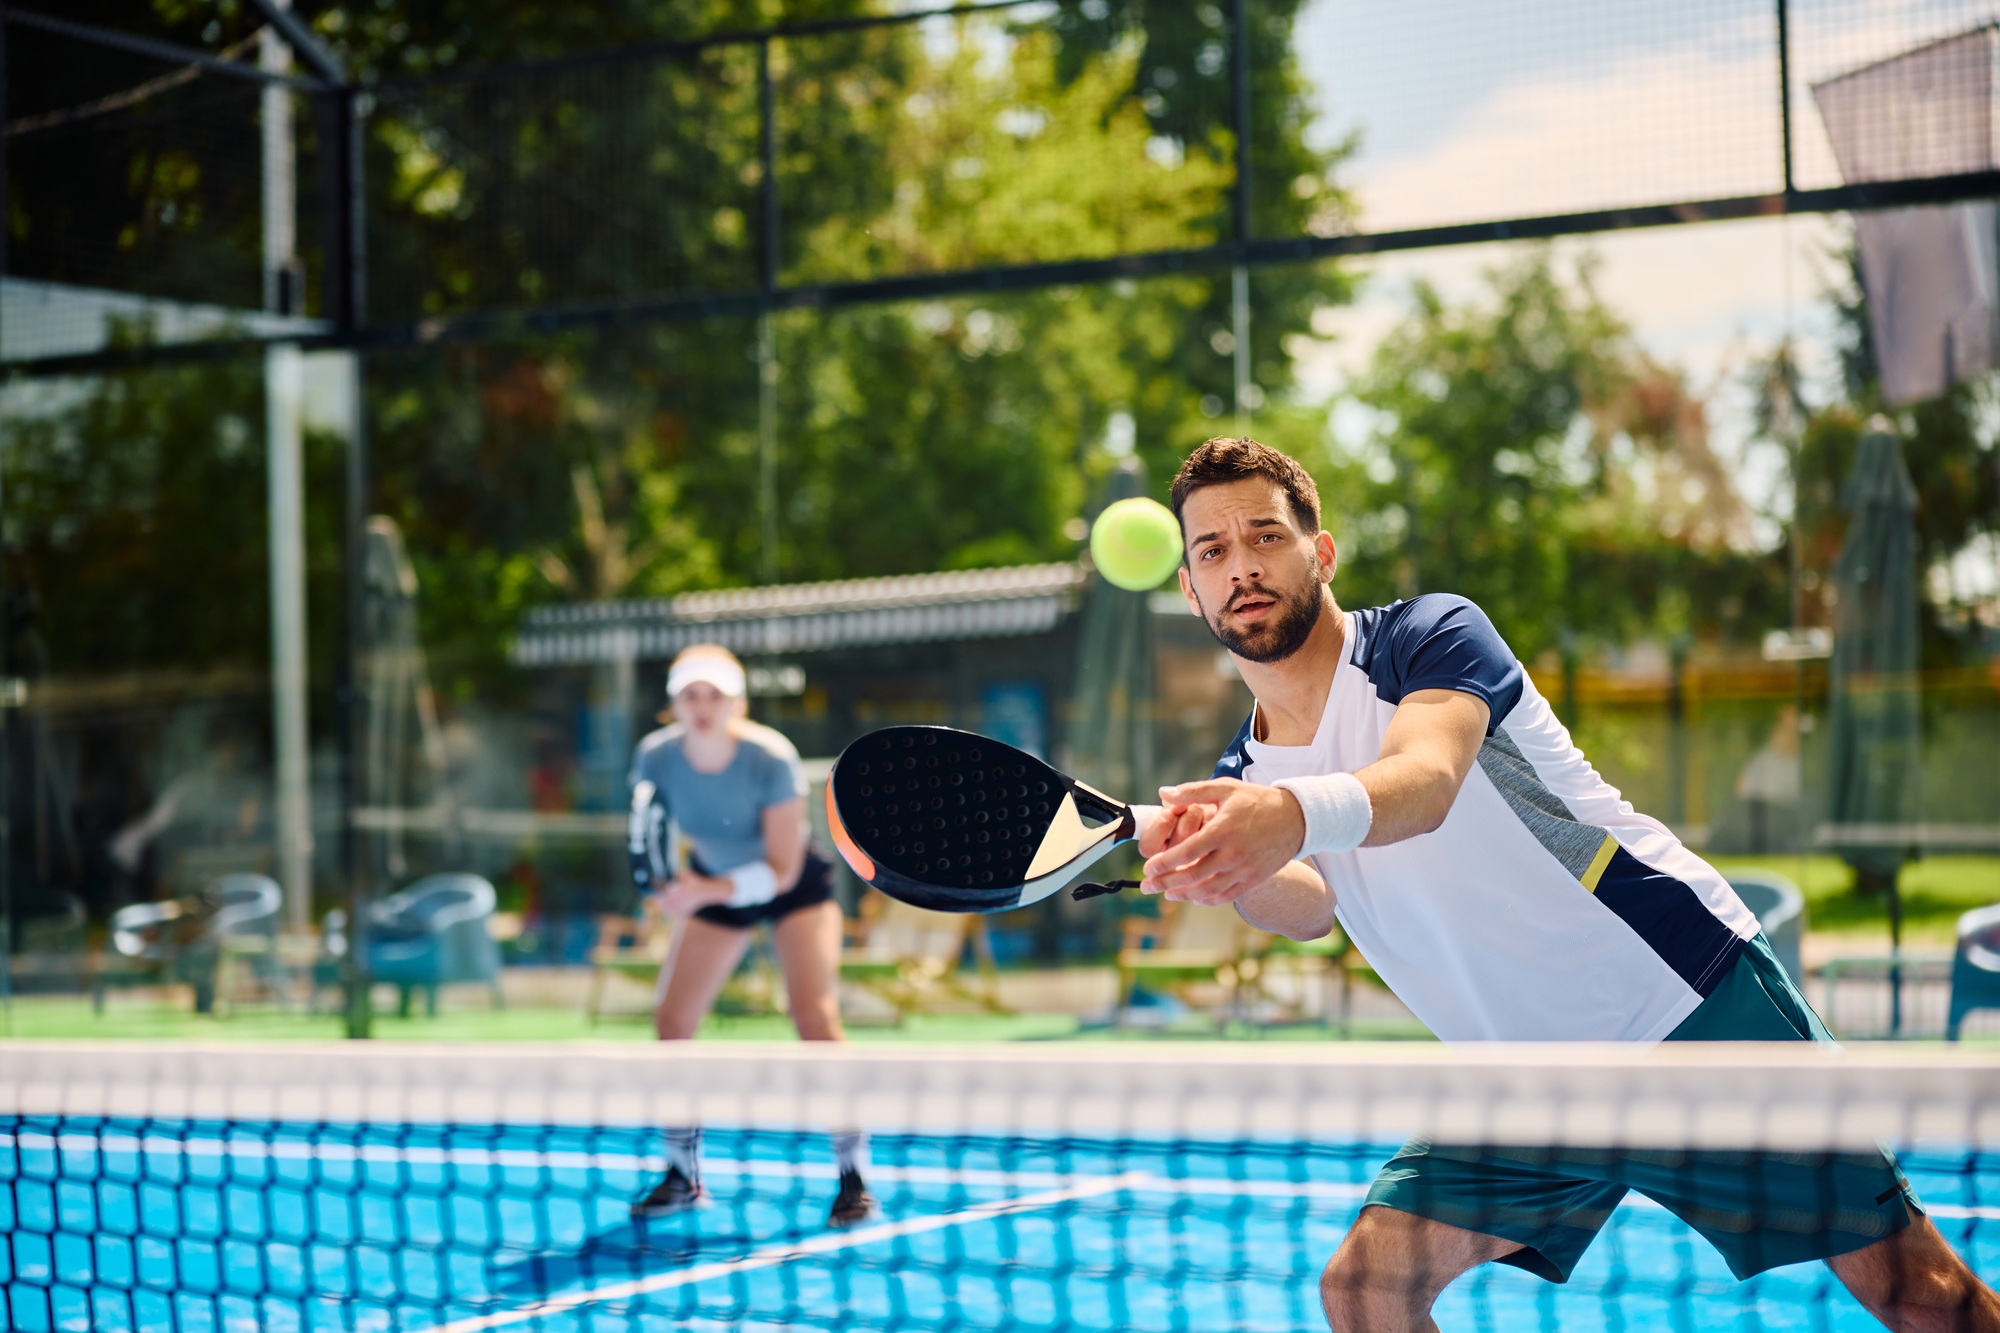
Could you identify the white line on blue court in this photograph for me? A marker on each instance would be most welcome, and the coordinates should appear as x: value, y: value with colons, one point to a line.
x: 775, y: 1255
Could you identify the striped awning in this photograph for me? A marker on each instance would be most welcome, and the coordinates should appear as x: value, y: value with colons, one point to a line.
x: 806, y: 617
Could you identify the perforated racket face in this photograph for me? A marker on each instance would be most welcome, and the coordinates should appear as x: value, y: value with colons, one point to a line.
x: 942, y: 818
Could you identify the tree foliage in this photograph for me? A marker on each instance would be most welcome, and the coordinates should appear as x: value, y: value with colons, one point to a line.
x: 1528, y: 454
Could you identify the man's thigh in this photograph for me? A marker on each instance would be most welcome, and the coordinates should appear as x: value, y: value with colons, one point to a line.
x: 1546, y: 1215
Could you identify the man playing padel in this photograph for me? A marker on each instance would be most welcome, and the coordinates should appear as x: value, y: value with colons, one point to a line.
x: 1400, y: 776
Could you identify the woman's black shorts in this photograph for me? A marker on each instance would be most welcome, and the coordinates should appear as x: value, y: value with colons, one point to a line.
x: 815, y: 886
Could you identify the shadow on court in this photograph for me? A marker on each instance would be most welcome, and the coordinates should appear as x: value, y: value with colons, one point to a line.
x: 626, y: 1252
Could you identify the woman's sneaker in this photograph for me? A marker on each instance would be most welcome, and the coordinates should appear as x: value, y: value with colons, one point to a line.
x: 675, y: 1194
x: 854, y: 1205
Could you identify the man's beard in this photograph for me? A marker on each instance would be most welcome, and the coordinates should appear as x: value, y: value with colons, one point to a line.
x: 1278, y: 637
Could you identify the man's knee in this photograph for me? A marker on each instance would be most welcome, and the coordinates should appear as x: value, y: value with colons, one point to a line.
x: 1370, y: 1283
x: 1388, y: 1272
x: 1362, y: 1295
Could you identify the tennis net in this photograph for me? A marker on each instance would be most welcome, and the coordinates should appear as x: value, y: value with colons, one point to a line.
x: 1119, y: 1186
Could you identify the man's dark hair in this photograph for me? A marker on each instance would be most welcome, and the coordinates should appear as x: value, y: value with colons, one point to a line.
x: 1228, y: 458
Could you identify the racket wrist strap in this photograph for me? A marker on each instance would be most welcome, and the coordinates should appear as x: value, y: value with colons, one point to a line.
x: 1336, y: 808
x: 755, y: 884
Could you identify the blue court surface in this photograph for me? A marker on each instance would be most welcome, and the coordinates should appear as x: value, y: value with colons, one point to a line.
x: 114, y: 1225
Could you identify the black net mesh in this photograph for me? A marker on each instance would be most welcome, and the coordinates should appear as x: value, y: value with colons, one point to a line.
x: 1168, y: 1189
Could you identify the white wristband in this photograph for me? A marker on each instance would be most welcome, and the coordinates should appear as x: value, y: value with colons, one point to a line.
x: 1336, y: 808
x: 756, y: 884
x: 1143, y: 818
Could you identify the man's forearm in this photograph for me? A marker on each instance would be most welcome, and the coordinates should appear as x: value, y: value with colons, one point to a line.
x: 1295, y: 903
x: 1408, y: 796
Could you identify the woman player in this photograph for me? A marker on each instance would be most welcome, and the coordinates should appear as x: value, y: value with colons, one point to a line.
x: 735, y: 792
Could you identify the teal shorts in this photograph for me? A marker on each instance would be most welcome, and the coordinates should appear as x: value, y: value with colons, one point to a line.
x: 1760, y: 1210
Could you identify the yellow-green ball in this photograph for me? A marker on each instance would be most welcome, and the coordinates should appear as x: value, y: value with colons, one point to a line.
x: 1136, y: 543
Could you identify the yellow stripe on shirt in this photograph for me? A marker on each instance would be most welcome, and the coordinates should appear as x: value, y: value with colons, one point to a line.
x: 1598, y: 863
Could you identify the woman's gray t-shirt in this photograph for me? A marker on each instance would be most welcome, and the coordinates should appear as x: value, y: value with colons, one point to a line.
x: 721, y: 814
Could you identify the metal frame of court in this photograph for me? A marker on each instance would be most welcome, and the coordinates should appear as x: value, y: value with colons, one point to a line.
x: 340, y: 98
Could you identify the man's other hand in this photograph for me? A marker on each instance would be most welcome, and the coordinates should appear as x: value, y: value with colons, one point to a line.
x: 1244, y: 835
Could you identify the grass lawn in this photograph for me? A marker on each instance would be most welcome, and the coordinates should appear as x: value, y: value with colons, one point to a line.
x: 136, y: 1017
x: 1934, y: 891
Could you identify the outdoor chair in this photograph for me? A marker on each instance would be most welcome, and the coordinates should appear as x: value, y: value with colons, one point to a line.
x: 183, y: 940
x: 1975, y: 968
x: 628, y: 946
x: 1781, y: 913
x: 1327, y: 963
x: 1189, y: 949
x: 434, y: 934
x: 909, y: 958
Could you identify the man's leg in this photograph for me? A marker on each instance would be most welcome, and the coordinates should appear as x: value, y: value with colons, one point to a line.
x: 1914, y: 1282
x: 1389, y: 1271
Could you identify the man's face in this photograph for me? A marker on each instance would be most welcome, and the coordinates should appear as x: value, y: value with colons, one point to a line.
x: 1251, y: 573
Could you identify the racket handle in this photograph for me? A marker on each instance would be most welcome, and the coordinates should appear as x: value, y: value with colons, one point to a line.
x: 1082, y: 891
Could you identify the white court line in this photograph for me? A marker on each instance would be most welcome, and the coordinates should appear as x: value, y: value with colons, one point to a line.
x: 772, y: 1256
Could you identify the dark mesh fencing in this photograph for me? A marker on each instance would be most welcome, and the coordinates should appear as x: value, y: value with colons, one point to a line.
x: 967, y: 150
x: 135, y: 190
x: 593, y: 183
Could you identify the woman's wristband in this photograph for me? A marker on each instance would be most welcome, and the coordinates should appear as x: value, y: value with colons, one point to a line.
x: 1336, y: 809
x: 755, y: 884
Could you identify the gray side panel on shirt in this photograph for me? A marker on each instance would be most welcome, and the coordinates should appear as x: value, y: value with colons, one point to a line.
x: 1572, y: 843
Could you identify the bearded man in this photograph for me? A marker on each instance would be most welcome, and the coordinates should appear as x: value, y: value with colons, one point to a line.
x: 1400, y: 776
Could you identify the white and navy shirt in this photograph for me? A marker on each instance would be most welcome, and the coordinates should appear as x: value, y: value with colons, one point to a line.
x: 1544, y: 908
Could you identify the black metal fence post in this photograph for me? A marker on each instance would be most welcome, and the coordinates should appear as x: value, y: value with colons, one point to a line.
x: 345, y: 293
x: 770, y: 260
x: 1785, y: 92
x: 1240, y: 313
x: 1239, y: 98
x: 6, y: 714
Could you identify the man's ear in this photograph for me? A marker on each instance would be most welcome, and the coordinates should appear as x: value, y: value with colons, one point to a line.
x: 1329, y: 555
x: 1187, y: 591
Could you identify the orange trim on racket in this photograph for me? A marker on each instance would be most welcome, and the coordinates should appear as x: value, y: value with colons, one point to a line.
x: 856, y: 860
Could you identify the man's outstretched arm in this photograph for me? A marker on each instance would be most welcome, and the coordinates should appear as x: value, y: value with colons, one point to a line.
x: 1253, y: 831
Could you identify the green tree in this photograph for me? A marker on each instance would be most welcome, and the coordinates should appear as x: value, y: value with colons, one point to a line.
x: 935, y: 433
x: 1530, y: 456
x: 133, y: 502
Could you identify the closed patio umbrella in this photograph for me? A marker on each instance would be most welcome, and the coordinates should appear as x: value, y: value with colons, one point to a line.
x: 1874, y: 780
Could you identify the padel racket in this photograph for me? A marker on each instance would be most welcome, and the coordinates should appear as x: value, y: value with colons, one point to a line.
x: 954, y: 822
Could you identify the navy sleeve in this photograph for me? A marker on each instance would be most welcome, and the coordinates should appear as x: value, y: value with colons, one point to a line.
x: 1233, y: 759
x: 1440, y: 641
